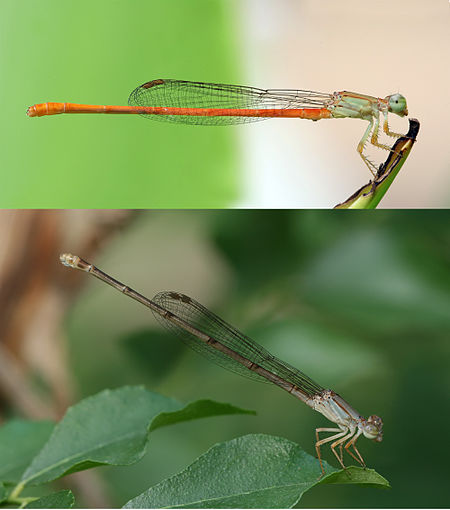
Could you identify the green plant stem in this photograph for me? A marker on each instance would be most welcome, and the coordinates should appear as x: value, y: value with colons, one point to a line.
x: 16, y: 491
x: 369, y: 196
x: 24, y: 501
x: 14, y: 499
x: 21, y: 502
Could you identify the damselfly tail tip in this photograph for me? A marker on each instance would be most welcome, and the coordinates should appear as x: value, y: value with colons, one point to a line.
x: 75, y: 262
x: 31, y: 111
x: 68, y: 260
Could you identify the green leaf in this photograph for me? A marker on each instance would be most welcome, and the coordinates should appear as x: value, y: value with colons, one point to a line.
x: 111, y: 427
x: 196, y: 410
x: 356, y: 475
x: 254, y: 471
x: 61, y: 499
x: 3, y: 492
x: 20, y: 441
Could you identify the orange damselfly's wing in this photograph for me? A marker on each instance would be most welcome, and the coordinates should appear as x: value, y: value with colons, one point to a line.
x: 186, y: 94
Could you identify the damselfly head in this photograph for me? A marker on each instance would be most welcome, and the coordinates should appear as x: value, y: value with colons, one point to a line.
x: 397, y: 104
x: 373, y: 428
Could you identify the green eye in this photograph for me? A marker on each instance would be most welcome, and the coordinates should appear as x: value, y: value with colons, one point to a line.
x: 397, y: 104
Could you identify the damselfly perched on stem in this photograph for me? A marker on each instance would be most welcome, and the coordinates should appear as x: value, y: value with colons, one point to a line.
x: 211, y: 336
x: 219, y: 104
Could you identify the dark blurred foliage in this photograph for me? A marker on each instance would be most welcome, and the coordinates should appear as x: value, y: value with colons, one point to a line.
x: 359, y: 301
x: 141, y: 347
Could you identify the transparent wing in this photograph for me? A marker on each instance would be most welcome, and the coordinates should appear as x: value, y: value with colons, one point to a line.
x: 186, y: 94
x: 196, y: 315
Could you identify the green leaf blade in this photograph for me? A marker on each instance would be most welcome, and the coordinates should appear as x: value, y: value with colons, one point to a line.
x: 357, y: 475
x: 254, y: 471
x: 20, y: 441
x: 94, y: 431
x: 112, y: 428
x: 61, y: 499
x: 3, y: 493
x: 266, y: 498
x: 196, y: 410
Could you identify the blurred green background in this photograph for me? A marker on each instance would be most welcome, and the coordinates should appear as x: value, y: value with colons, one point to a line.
x: 360, y: 302
x: 97, y: 52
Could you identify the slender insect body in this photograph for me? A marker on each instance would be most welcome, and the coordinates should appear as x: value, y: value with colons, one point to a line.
x: 334, y: 408
x: 212, y: 337
x: 217, y: 104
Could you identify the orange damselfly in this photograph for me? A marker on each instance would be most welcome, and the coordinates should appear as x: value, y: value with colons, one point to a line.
x: 219, y: 104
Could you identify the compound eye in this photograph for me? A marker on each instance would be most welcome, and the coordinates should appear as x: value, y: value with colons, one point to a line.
x: 397, y: 104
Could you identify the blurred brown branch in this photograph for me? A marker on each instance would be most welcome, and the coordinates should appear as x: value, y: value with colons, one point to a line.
x: 35, y: 293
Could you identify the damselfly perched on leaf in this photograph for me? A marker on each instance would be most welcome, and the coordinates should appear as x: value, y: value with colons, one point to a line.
x: 217, y: 340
